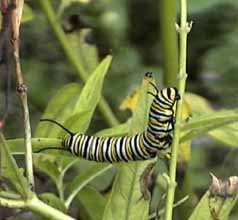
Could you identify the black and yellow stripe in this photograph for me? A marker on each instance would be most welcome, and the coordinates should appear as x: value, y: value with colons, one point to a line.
x: 137, y: 147
x: 140, y: 146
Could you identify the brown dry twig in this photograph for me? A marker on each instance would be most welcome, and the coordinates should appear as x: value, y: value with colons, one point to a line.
x: 12, y: 9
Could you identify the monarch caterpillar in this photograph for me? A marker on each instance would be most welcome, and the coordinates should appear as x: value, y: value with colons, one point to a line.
x: 140, y: 146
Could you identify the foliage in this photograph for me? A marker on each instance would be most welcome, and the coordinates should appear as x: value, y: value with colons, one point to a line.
x: 97, y: 191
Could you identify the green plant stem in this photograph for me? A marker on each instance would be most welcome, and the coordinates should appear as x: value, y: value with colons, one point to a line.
x: 73, y: 58
x: 12, y: 203
x: 22, y: 89
x: 43, y: 209
x: 169, y: 41
x: 9, y: 195
x: 37, y: 206
x: 183, y: 31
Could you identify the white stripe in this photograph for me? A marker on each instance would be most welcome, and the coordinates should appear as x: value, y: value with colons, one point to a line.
x: 89, y: 147
x: 105, y: 147
x: 93, y: 151
x: 118, y: 148
x: 133, y: 147
x: 124, y: 148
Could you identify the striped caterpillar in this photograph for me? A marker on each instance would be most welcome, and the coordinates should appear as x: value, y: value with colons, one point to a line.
x: 140, y: 146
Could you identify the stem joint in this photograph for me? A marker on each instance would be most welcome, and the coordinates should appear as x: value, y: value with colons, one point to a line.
x: 22, y: 88
x: 184, y: 29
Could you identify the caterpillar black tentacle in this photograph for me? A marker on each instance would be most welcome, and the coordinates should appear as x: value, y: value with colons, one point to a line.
x: 140, y: 146
x: 57, y: 123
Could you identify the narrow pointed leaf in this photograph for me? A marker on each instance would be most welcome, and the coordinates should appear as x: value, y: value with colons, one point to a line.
x: 10, y: 171
x: 83, y: 179
x: 227, y: 134
x: 125, y: 201
x: 216, y: 125
x: 59, y: 109
x: 89, y: 98
x: 215, y: 118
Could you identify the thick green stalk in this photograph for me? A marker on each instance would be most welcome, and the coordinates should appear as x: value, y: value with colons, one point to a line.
x: 169, y: 41
x: 17, y: 204
x: 45, y: 210
x: 183, y: 31
x: 73, y: 58
x: 37, y: 206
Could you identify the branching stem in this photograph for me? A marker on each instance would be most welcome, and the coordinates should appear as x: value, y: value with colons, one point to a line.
x: 36, y: 206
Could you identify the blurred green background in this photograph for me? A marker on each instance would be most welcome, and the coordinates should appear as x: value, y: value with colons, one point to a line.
x: 131, y: 32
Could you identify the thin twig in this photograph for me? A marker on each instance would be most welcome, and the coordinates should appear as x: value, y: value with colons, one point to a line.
x: 36, y: 206
x: 17, y: 7
x: 183, y: 31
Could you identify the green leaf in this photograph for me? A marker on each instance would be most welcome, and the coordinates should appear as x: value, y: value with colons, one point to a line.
x: 126, y: 200
x: 52, y: 200
x: 219, y: 125
x: 227, y: 134
x: 197, y: 103
x: 83, y: 179
x: 55, y: 166
x: 119, y: 130
x: 72, y: 110
x: 28, y: 14
x: 215, y: 118
x: 89, y: 98
x: 48, y: 165
x: 87, y: 53
x: 82, y: 119
x: 59, y: 109
x: 93, y: 203
x: 214, y: 123
x: 10, y: 171
x: 210, y: 208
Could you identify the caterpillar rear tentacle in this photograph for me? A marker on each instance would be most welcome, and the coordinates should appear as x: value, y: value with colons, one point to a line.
x: 142, y: 146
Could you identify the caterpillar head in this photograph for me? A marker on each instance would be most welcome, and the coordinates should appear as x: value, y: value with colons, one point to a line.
x: 172, y: 94
x: 167, y: 97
